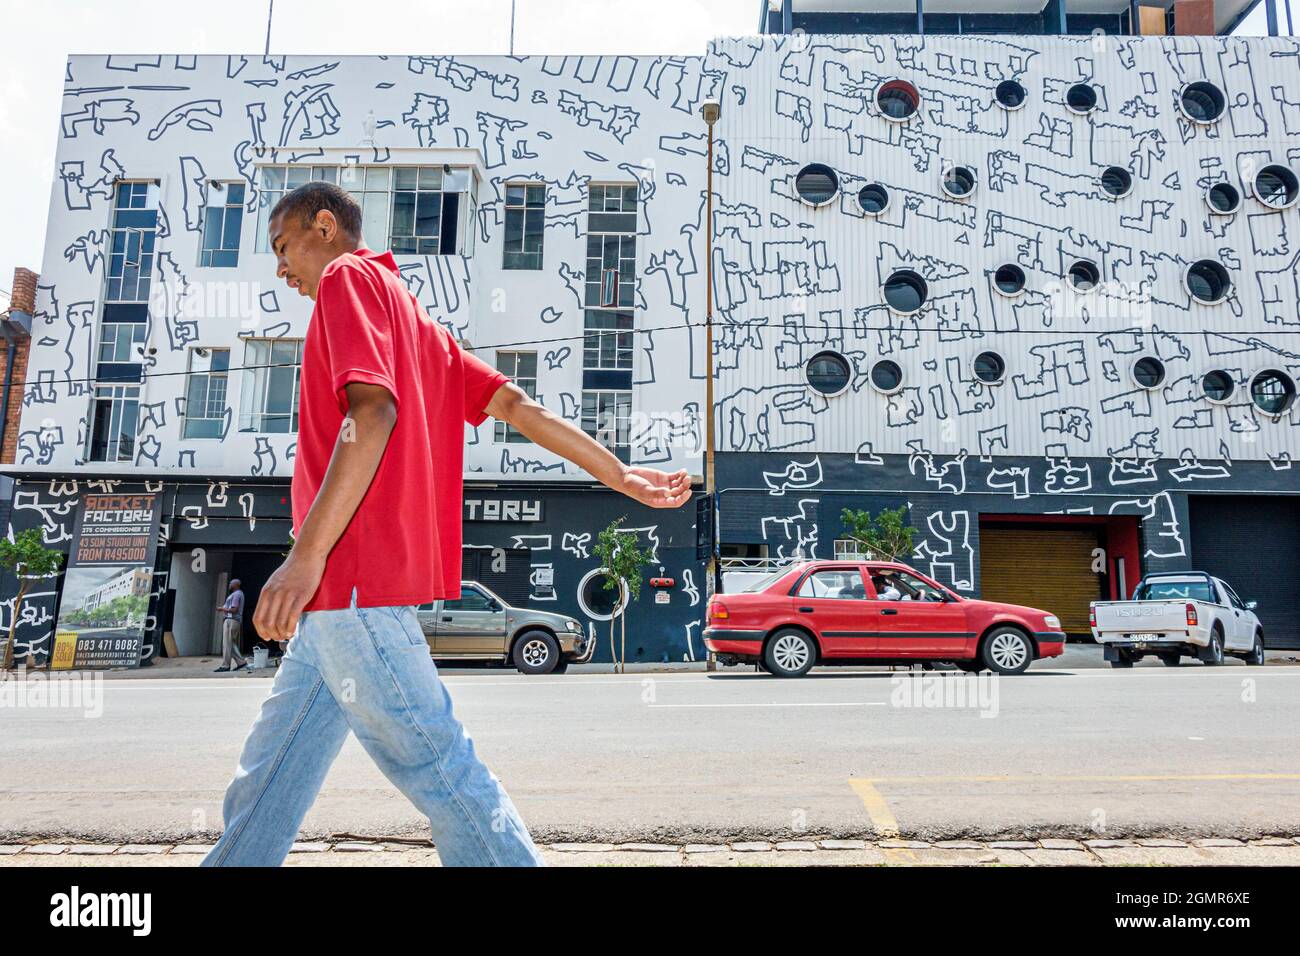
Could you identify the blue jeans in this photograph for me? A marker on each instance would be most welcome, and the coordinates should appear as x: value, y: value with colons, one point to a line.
x: 367, y: 670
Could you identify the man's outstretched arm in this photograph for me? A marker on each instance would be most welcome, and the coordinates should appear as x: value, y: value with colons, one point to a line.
x: 658, y: 489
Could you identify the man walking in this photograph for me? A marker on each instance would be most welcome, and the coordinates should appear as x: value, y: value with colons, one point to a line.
x: 232, y: 628
x: 385, y: 396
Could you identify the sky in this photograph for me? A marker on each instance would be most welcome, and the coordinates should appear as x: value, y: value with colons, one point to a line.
x: 44, y: 32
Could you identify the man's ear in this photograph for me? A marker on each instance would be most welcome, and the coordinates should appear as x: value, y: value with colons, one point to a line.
x: 326, y: 225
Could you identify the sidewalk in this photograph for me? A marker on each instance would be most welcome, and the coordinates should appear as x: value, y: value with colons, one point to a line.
x: 1271, y: 851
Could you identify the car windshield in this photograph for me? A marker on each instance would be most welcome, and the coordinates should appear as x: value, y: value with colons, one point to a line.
x: 1175, y: 590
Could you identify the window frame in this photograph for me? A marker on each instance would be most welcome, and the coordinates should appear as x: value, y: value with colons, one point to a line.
x: 253, y: 396
x: 525, y: 211
x: 190, y: 376
x: 503, y: 433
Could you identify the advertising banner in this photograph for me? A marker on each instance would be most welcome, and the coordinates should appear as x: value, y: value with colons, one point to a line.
x: 110, y: 574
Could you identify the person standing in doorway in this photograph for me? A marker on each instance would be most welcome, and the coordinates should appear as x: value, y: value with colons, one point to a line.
x: 385, y: 396
x: 232, y: 629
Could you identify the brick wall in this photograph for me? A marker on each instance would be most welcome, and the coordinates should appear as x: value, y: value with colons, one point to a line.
x: 22, y: 298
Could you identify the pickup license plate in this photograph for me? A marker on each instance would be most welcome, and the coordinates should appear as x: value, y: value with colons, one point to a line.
x: 1144, y: 637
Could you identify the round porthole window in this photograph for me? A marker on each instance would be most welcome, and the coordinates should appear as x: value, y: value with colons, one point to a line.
x: 828, y: 372
x: 1009, y: 279
x: 1223, y: 199
x: 886, y: 376
x: 817, y: 184
x: 1202, y: 102
x: 1117, y: 181
x: 989, y: 367
x: 1276, y: 186
x: 1084, y: 275
x: 1010, y: 95
x: 1081, y: 98
x: 1272, y: 391
x: 598, y: 601
x: 1217, y: 385
x: 1148, y: 371
x: 905, y: 291
x: 873, y: 198
x: 1207, y: 281
x: 958, y: 181
x: 897, y: 100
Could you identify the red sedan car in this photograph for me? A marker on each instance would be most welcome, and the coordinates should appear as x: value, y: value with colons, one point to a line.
x: 860, y: 612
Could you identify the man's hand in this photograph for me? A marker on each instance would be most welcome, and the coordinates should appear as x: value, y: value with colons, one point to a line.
x: 658, y: 489
x: 655, y: 488
x: 284, y: 596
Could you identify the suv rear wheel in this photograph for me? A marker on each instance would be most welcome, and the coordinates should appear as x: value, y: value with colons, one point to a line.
x: 1007, y: 651
x: 535, y: 652
x: 1256, y: 655
x: 789, y: 653
x: 1214, y: 652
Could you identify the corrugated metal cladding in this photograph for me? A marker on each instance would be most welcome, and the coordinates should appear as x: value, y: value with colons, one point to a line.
x: 1253, y: 544
x: 1048, y: 568
x: 796, y: 280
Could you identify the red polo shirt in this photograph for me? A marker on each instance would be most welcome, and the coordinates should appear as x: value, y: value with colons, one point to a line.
x: 403, y: 544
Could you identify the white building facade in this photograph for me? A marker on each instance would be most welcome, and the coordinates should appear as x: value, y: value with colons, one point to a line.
x: 1040, y: 291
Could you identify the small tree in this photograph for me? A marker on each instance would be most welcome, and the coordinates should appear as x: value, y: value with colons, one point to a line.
x: 27, y: 559
x: 887, y: 537
x: 621, y: 555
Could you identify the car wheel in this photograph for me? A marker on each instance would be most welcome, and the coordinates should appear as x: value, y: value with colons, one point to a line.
x: 1256, y: 655
x: 560, y: 668
x: 535, y: 652
x: 1215, y: 657
x: 1171, y: 660
x: 789, y: 654
x: 1123, y: 661
x: 1007, y: 651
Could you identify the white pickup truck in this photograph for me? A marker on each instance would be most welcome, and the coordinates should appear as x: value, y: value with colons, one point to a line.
x: 1176, y: 614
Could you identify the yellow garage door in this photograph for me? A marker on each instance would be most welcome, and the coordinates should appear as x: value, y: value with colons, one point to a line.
x: 1048, y: 568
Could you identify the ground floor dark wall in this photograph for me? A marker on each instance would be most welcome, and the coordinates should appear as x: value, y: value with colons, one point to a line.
x: 792, y: 503
x: 553, y: 529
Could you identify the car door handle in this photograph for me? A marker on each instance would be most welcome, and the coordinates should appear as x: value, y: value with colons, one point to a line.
x: 805, y: 610
x: 888, y: 610
x: 447, y: 619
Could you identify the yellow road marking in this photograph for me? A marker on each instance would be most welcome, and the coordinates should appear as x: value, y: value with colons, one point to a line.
x: 882, y: 818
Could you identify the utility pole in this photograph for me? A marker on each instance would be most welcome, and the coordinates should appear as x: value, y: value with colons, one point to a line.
x: 711, y: 110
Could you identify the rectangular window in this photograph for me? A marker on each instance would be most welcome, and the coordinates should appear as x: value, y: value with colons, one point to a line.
x: 412, y: 210
x: 521, y: 367
x: 606, y: 417
x: 850, y: 549
x: 269, y: 399
x: 116, y: 415
x: 525, y: 222
x: 223, y: 218
x: 607, y: 342
x: 205, y: 393
x: 123, y: 326
x: 131, y: 242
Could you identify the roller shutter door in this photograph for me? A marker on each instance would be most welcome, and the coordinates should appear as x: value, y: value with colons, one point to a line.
x: 1253, y: 543
x: 511, y: 583
x: 1047, y: 568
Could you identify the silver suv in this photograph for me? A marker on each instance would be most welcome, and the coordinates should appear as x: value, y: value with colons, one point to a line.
x: 480, y: 625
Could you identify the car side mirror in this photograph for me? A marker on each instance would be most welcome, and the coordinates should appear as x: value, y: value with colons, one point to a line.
x: 493, y: 606
x: 1251, y: 605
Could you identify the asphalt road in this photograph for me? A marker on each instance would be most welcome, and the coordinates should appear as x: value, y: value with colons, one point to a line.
x: 1068, y: 751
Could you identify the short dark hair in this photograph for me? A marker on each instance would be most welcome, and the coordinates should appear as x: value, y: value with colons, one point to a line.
x: 310, y: 198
